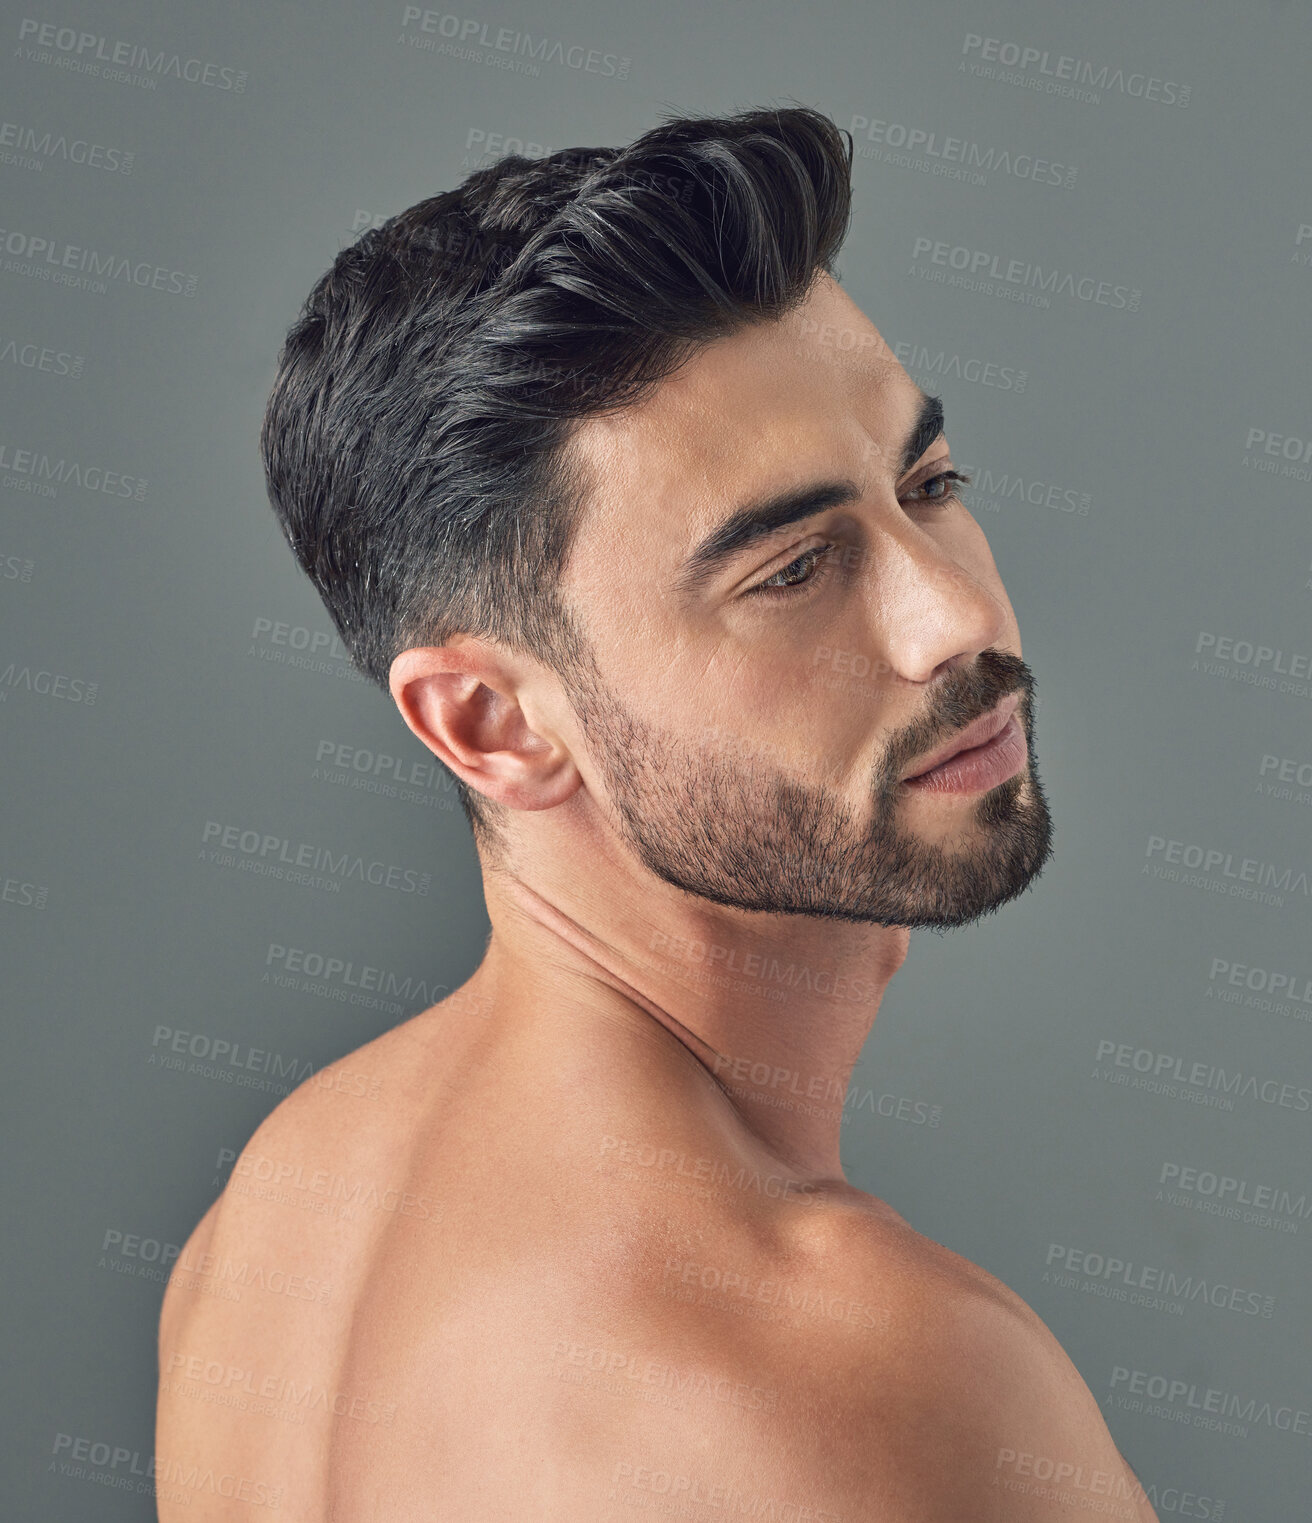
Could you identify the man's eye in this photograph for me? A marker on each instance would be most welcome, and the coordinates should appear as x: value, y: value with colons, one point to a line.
x: 944, y: 477
x: 807, y: 567
x: 797, y: 573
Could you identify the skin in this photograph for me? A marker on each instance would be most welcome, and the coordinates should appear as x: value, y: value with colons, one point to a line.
x: 594, y: 1262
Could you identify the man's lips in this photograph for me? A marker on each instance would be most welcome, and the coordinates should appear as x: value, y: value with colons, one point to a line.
x: 976, y: 734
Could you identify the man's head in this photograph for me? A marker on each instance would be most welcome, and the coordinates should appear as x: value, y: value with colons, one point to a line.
x: 601, y: 472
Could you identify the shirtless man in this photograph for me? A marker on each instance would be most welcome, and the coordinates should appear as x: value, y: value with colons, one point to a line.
x: 576, y: 1244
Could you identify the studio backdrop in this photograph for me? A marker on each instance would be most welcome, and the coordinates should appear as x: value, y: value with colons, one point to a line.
x: 226, y: 861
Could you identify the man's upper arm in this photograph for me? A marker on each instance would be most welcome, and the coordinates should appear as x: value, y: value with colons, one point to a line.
x: 1043, y: 1447
x: 947, y: 1412
x: 174, y: 1298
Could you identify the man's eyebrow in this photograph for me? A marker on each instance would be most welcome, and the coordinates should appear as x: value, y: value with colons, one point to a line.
x: 757, y: 519
x: 927, y: 427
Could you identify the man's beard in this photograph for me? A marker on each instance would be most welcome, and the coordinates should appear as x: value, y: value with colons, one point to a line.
x: 744, y: 833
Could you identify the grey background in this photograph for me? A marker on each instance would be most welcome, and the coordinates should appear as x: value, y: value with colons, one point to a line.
x: 183, y: 607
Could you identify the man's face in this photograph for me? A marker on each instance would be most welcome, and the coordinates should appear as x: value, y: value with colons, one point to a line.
x: 756, y: 698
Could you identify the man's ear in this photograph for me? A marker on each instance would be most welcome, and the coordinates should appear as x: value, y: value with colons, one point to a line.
x: 463, y: 701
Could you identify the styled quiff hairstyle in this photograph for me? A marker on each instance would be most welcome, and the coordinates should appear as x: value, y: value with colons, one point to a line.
x: 414, y: 439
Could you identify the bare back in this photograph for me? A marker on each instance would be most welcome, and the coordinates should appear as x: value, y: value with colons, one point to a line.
x: 479, y: 1270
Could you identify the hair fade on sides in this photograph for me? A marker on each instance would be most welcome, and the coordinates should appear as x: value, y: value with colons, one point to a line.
x: 414, y: 439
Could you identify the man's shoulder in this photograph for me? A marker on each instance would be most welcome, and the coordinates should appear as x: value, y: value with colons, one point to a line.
x: 843, y: 1290
x: 859, y: 1370
x: 349, y: 1110
x: 338, y: 1121
x: 387, y: 1069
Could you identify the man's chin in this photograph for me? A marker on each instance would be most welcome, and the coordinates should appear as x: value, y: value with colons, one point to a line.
x: 933, y: 889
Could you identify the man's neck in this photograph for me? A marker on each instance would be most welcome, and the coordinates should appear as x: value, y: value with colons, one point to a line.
x: 776, y: 1008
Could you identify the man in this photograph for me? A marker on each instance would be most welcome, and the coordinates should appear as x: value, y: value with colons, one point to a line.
x: 654, y: 543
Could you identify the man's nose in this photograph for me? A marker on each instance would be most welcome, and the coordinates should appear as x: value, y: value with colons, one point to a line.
x: 930, y: 612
